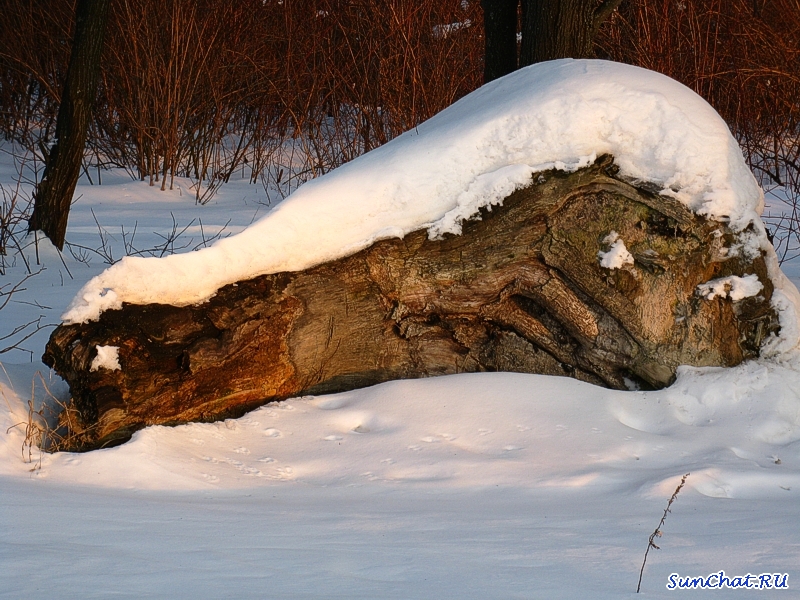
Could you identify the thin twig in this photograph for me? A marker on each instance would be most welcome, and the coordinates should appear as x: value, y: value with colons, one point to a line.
x: 657, y: 532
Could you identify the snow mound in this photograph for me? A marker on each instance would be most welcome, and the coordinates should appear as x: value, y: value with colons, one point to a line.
x: 737, y: 430
x: 559, y: 114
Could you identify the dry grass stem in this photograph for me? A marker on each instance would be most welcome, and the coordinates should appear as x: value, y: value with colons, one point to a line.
x: 53, y: 427
x: 657, y: 532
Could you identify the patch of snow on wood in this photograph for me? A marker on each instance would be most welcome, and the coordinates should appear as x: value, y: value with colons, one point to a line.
x: 617, y: 256
x: 734, y: 287
x: 107, y: 358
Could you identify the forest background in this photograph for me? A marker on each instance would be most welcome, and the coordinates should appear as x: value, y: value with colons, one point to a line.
x: 286, y: 90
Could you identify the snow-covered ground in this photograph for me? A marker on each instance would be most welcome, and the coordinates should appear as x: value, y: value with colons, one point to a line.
x: 489, y: 485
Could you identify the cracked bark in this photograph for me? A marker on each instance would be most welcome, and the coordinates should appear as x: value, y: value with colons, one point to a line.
x: 520, y: 290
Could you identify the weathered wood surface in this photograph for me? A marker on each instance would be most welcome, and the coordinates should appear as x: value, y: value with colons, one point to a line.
x: 520, y: 290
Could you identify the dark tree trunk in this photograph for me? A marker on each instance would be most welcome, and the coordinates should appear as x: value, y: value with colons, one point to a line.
x: 500, y: 27
x: 53, y: 195
x: 557, y: 29
x: 551, y: 29
x: 521, y: 290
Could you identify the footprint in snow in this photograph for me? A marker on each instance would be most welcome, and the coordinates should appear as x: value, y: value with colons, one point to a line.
x: 484, y: 431
x: 273, y: 433
x: 430, y: 440
x: 332, y: 438
x: 332, y: 403
x: 241, y: 450
x: 285, y: 472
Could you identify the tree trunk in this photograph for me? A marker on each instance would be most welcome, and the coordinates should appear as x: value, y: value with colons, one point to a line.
x: 551, y: 29
x: 557, y: 29
x: 500, y: 38
x: 53, y: 195
x: 522, y: 289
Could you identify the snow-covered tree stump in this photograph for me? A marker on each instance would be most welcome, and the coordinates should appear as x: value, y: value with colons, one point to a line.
x: 577, y: 274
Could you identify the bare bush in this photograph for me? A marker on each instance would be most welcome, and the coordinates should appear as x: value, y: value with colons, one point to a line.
x: 282, y: 92
x: 34, y: 51
x: 285, y: 90
x: 21, y: 332
x: 15, y: 208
